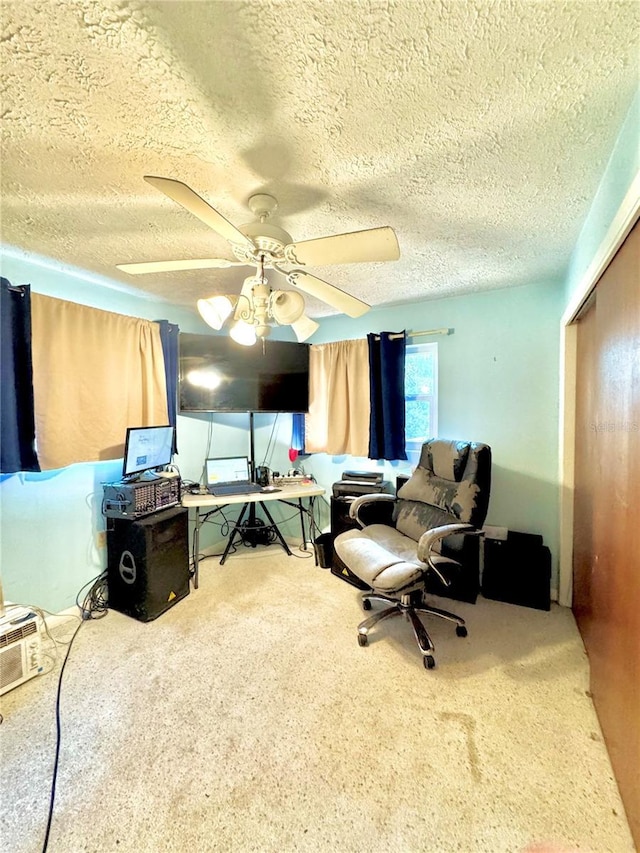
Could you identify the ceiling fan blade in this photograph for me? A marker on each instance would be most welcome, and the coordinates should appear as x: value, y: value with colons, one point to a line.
x: 328, y: 293
x: 192, y: 202
x: 374, y: 244
x: 178, y: 266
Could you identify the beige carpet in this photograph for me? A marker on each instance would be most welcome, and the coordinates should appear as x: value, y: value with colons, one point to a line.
x: 247, y: 718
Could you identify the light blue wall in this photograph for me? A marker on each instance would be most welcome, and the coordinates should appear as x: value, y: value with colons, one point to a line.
x: 622, y: 168
x: 49, y: 521
x: 498, y: 383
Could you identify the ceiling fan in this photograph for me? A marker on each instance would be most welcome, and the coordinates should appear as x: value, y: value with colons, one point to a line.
x: 265, y: 245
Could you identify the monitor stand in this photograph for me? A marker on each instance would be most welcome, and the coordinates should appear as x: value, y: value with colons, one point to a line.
x: 143, y: 477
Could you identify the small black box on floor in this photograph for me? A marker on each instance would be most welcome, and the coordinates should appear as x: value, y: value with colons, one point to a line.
x: 517, y: 570
x: 148, y: 563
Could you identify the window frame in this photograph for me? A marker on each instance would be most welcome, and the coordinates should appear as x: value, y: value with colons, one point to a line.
x: 413, y: 444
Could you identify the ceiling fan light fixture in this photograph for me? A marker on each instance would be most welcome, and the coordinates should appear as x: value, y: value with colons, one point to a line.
x: 215, y: 310
x: 243, y: 333
x: 264, y: 244
x: 304, y: 328
x: 287, y: 306
x: 263, y: 330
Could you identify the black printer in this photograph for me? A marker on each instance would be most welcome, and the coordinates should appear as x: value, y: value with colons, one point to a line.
x: 354, y: 483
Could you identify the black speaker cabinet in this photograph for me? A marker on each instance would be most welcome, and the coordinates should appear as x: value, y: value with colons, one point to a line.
x: 148, y: 563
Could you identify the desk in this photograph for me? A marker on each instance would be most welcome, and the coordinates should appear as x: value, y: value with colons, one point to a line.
x: 207, y: 505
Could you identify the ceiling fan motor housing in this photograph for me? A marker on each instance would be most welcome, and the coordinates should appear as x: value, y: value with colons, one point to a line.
x: 270, y: 241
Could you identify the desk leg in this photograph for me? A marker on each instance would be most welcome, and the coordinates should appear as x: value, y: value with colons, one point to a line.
x: 274, y: 526
x: 196, y: 548
x: 304, y: 535
x: 234, y: 533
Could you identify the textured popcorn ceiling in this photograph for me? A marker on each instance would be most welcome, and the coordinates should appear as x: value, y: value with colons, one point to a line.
x: 478, y: 130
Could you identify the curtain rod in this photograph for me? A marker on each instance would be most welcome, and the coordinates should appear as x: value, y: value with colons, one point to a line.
x: 17, y: 288
x: 421, y: 334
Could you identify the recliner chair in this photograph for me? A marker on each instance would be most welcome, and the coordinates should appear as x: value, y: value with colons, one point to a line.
x: 423, y: 539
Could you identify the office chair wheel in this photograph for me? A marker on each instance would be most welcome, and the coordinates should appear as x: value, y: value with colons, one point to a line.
x: 363, y: 640
x: 366, y: 604
x: 461, y: 631
x: 429, y: 661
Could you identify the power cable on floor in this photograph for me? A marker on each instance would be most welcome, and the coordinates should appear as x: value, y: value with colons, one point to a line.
x: 56, y: 762
x: 94, y: 606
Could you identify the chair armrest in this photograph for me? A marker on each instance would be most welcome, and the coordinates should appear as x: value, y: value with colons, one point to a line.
x: 428, y: 540
x: 383, y: 503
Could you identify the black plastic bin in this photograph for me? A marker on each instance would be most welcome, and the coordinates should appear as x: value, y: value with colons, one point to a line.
x: 323, y: 546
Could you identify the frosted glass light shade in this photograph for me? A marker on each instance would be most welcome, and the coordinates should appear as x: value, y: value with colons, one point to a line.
x: 304, y: 328
x: 287, y: 306
x: 243, y: 333
x: 215, y: 310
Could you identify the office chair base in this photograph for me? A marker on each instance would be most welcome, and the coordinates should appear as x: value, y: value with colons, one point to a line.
x: 409, y: 606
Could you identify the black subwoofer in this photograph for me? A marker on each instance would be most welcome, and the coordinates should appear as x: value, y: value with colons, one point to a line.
x: 518, y: 570
x: 148, y: 563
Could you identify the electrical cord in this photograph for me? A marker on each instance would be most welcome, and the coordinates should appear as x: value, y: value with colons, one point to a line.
x: 224, y: 526
x: 94, y: 606
x: 209, y: 436
x: 269, y: 451
x: 56, y: 763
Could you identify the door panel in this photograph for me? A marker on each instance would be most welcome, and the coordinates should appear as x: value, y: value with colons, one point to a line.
x: 607, y: 511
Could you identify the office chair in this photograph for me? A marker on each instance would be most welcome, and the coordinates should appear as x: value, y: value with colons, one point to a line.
x: 425, y: 539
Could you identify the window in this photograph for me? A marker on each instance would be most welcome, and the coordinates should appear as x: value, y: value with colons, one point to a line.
x: 421, y: 397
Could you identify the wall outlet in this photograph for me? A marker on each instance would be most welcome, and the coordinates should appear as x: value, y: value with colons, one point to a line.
x: 101, y: 539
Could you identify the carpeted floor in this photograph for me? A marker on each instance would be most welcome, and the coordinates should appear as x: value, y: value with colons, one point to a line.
x: 247, y: 718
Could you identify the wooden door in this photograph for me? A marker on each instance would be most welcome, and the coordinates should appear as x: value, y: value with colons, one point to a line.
x: 606, y: 564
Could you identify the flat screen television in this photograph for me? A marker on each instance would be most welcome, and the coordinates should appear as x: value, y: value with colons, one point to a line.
x: 147, y: 448
x: 219, y: 375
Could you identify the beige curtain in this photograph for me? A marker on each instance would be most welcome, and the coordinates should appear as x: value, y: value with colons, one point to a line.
x: 339, y: 402
x: 94, y: 374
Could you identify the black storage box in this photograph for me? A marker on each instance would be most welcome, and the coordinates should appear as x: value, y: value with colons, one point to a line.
x: 517, y: 570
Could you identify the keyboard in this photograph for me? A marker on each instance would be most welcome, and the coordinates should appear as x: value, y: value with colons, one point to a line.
x: 244, y: 489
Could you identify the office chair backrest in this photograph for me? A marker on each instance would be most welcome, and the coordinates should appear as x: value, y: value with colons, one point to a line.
x: 451, y: 483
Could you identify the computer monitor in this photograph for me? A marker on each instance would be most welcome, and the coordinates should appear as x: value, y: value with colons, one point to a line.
x: 147, y: 448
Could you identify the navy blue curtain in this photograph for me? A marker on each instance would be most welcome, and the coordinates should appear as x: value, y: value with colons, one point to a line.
x: 386, y: 377
x: 169, y: 336
x: 17, y: 416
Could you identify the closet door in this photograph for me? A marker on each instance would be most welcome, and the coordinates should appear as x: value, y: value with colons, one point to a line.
x: 606, y: 568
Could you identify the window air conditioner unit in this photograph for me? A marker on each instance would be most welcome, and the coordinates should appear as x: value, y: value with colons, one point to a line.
x: 20, y: 649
